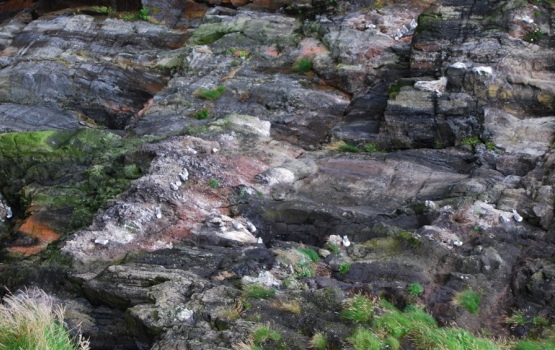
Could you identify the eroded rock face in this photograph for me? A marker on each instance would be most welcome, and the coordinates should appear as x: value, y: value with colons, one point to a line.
x: 234, y: 116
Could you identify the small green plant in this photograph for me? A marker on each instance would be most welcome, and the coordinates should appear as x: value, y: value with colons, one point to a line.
x: 143, y: 14
x: 438, y: 144
x: 517, y: 318
x: 209, y: 94
x: 476, y: 228
x: 539, y: 321
x: 333, y: 247
x: 309, y: 253
x: 303, y: 65
x: 318, y: 341
x: 370, y: 148
x: 202, y: 114
x: 264, y: 333
x: 468, y: 299
x: 533, y: 36
x: 345, y: 147
x: 214, y: 183
x: 407, y: 238
x: 344, y: 268
x: 258, y: 291
x: 364, y: 339
x: 470, y: 141
x: 415, y: 289
x: 490, y: 146
x: 358, y: 310
x: 260, y: 194
x: 105, y: 10
x: 303, y: 270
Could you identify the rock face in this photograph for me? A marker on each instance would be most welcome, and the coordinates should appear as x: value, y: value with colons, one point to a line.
x: 156, y: 172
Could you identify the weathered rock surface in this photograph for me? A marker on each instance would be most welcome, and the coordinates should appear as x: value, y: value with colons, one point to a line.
x: 227, y: 165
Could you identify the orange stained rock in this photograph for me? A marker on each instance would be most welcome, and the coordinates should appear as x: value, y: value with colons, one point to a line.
x: 32, y: 228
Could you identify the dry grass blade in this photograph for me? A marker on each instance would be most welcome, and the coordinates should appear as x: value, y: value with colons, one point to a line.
x: 31, y: 320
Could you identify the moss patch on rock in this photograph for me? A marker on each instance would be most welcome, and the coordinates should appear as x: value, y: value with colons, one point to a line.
x: 69, y: 174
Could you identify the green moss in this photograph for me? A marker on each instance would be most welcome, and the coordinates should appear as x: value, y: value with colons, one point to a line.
x: 470, y: 141
x: 209, y: 94
x: 74, y: 172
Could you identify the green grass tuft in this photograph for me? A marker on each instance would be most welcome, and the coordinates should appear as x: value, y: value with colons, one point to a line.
x: 28, y: 324
x: 415, y: 289
x: 209, y: 94
x: 468, y: 299
x: 370, y: 148
x: 264, y: 333
x: 333, y: 247
x: 310, y: 254
x: 318, y: 341
x: 303, y: 65
x: 258, y: 291
x: 214, y: 183
x: 344, y: 268
x: 358, y: 310
x: 345, y: 147
x: 364, y: 339
x: 202, y: 114
x: 471, y: 141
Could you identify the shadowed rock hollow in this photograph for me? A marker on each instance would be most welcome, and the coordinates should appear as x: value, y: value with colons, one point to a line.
x: 155, y: 165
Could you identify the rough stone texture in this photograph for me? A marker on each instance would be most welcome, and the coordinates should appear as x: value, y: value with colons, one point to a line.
x: 234, y: 185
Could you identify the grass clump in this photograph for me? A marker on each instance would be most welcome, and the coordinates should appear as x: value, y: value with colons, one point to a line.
x: 364, y: 339
x: 264, y: 333
x: 318, y: 341
x: 310, y: 254
x: 142, y: 14
x: 234, y: 311
x: 303, y: 65
x: 358, y: 310
x: 333, y: 247
x: 258, y: 291
x: 346, y: 147
x: 304, y: 269
x: 370, y: 148
x: 468, y: 299
x: 292, y: 306
x: 422, y: 330
x: 26, y: 323
x: 214, y: 183
x: 344, y: 268
x: 209, y: 94
x: 471, y: 141
x: 533, y: 36
x: 415, y: 289
x: 202, y: 114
